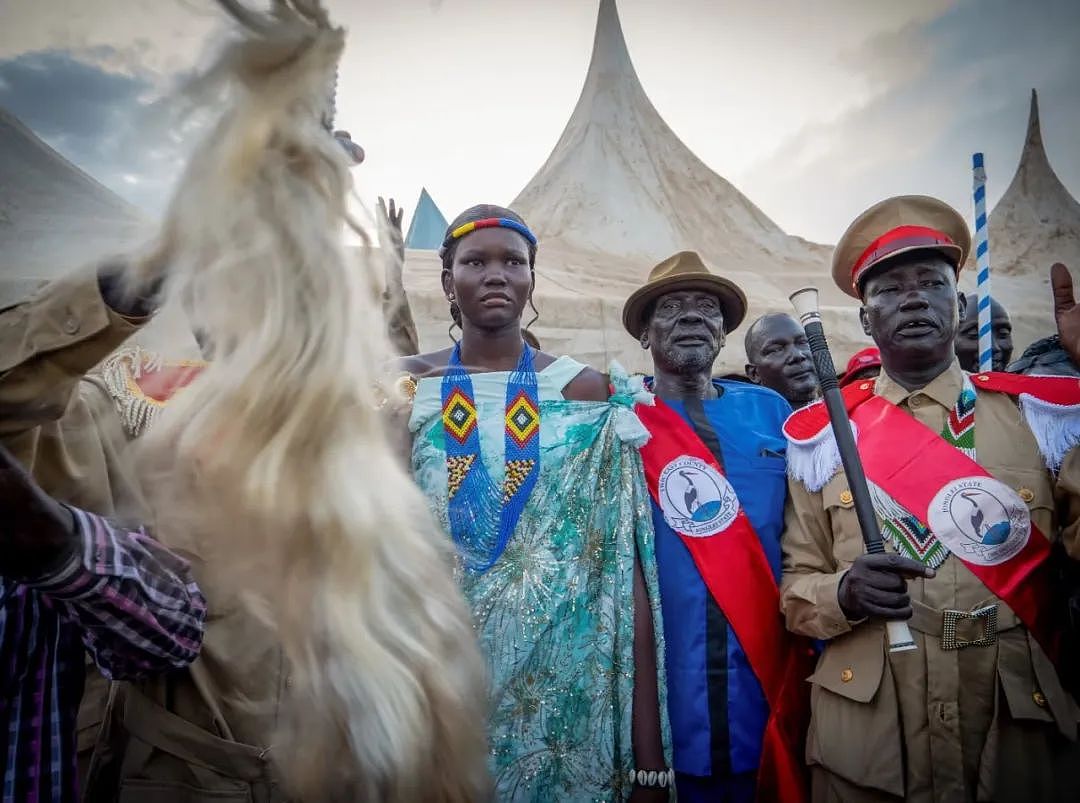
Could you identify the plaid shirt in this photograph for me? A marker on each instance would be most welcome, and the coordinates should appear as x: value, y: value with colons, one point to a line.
x: 128, y: 601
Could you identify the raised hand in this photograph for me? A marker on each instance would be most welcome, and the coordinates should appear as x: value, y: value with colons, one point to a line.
x: 37, y: 533
x: 1066, y: 310
x: 390, y: 236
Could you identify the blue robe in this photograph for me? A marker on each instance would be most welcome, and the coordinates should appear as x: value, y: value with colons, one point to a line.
x: 716, y: 706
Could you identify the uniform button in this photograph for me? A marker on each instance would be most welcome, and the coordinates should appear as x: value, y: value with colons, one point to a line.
x: 915, y: 401
x: 1039, y: 698
x: 71, y: 325
x: 1026, y: 494
x: 846, y: 499
x: 846, y: 675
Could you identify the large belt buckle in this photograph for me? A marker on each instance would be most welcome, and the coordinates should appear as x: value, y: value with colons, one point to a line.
x: 988, y: 615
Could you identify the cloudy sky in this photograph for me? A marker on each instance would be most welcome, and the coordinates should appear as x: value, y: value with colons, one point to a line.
x: 814, y: 110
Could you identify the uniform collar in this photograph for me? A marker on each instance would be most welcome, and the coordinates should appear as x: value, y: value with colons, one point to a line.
x: 944, y: 388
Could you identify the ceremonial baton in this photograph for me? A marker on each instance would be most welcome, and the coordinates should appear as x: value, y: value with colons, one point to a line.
x: 805, y: 302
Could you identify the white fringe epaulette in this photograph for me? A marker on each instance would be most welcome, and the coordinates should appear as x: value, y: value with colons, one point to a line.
x: 120, y: 372
x: 816, y: 460
x: 1056, y: 427
x: 628, y: 391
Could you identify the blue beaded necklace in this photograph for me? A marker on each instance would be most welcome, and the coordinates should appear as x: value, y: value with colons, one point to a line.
x: 482, y: 514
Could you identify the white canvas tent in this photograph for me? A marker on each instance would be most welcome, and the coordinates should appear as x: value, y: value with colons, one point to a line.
x: 619, y: 192
x: 53, y: 216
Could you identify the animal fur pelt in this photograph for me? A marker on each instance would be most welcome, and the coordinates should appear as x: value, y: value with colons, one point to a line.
x: 276, y: 463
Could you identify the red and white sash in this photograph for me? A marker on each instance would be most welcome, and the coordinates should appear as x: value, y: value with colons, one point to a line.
x: 982, y: 520
x: 689, y: 486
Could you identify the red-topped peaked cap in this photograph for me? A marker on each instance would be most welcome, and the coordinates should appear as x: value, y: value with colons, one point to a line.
x: 895, y: 226
x: 868, y: 357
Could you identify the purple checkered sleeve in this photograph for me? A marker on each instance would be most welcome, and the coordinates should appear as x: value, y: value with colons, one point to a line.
x: 134, y: 602
x: 123, y: 597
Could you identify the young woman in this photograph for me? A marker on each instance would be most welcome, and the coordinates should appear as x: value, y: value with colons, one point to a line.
x: 530, y: 463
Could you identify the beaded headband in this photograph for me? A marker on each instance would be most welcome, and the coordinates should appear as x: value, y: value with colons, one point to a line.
x: 489, y: 223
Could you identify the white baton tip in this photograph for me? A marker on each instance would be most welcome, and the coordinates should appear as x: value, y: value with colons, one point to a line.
x: 900, y: 639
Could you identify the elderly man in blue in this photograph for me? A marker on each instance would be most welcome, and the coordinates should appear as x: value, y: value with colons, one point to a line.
x: 716, y: 472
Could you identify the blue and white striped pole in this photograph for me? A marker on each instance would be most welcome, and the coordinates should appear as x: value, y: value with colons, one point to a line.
x: 982, y: 263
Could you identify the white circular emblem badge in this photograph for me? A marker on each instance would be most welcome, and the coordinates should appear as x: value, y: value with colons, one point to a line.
x: 980, y: 520
x: 695, y: 498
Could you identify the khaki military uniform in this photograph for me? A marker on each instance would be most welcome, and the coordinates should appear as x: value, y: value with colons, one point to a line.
x: 985, y: 723
x: 196, y: 735
x: 57, y: 421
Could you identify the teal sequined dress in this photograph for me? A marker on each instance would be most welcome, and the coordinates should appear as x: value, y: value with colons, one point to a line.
x: 554, y: 615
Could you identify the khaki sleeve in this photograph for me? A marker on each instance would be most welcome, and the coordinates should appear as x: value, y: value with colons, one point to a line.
x: 1067, y: 497
x: 811, y: 574
x: 47, y: 344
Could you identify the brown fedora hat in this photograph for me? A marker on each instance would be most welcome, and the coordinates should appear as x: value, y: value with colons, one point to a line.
x: 683, y: 271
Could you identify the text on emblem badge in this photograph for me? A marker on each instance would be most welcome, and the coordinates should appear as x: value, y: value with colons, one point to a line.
x: 696, y: 499
x: 981, y: 520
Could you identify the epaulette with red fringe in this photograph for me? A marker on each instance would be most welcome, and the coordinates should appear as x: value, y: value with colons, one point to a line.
x: 1050, y: 405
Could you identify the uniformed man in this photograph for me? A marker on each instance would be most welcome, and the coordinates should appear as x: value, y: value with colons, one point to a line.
x: 967, y: 506
x: 715, y: 469
x: 778, y: 358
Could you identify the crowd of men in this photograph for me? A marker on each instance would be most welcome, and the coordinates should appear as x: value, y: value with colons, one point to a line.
x: 979, y: 710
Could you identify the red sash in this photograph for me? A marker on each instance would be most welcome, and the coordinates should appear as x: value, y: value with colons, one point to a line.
x: 912, y: 463
x: 737, y: 574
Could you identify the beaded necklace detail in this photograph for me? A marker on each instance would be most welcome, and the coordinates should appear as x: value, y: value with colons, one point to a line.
x: 482, y: 514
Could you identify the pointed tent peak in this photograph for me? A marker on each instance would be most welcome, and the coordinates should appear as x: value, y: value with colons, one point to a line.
x: 425, y: 197
x: 1033, y: 140
x: 620, y: 182
x: 1034, y: 166
x: 1037, y: 220
x: 610, y: 56
x: 428, y: 225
